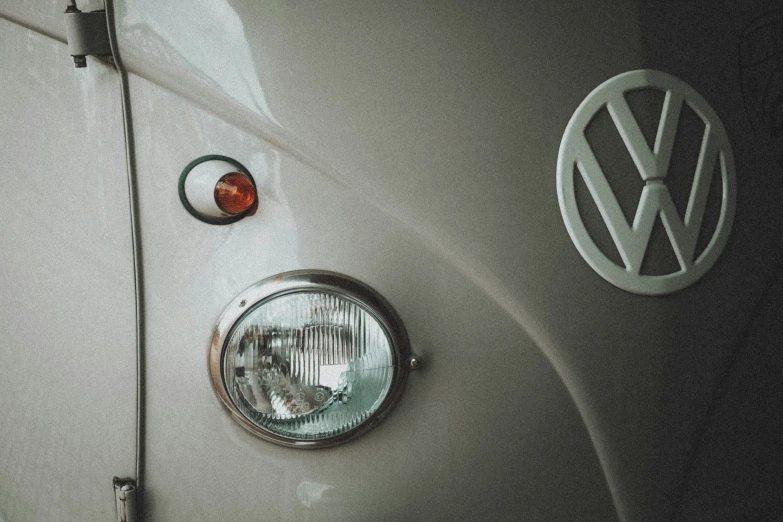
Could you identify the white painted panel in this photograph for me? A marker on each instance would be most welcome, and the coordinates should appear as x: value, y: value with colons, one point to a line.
x: 487, y: 431
x: 449, y: 118
x: 44, y: 16
x: 67, y: 349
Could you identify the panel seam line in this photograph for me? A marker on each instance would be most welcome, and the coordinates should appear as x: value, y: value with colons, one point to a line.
x: 138, y: 273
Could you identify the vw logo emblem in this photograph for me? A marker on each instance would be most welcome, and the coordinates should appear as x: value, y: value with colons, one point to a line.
x: 632, y: 239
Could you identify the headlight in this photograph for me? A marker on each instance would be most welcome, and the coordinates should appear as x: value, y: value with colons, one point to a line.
x: 309, y: 358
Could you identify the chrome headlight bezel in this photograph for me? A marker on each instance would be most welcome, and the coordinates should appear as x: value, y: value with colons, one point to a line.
x: 322, y: 282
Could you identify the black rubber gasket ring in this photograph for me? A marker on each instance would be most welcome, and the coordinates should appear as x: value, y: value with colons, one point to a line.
x: 195, y: 213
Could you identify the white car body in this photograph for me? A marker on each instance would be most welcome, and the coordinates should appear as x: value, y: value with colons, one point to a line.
x: 412, y: 146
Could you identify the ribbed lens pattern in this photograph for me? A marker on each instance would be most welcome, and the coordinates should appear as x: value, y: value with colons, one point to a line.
x: 308, y: 365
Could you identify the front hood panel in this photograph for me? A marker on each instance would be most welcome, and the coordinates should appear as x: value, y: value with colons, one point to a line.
x: 445, y: 123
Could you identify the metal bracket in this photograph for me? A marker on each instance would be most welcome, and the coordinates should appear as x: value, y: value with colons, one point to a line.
x: 87, y: 34
x: 125, y: 499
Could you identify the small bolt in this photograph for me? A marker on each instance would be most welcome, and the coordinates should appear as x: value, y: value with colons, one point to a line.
x: 242, y: 303
x: 414, y: 362
x: 80, y: 61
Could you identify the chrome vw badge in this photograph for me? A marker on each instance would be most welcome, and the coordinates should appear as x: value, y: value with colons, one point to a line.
x: 632, y: 240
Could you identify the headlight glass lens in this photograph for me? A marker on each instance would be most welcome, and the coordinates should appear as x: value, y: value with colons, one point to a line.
x: 308, y: 365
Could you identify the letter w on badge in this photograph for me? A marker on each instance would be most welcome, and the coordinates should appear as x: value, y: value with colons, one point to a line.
x: 653, y: 165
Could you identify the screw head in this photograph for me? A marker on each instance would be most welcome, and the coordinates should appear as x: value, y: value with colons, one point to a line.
x: 414, y: 362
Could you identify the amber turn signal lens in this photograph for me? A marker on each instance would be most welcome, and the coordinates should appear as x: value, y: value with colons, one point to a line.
x: 235, y: 193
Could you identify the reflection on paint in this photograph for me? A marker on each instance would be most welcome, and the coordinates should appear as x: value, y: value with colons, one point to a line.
x: 310, y: 493
x: 209, y: 37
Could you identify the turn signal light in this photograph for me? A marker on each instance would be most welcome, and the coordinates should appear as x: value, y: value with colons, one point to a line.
x: 218, y: 190
x: 234, y: 193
